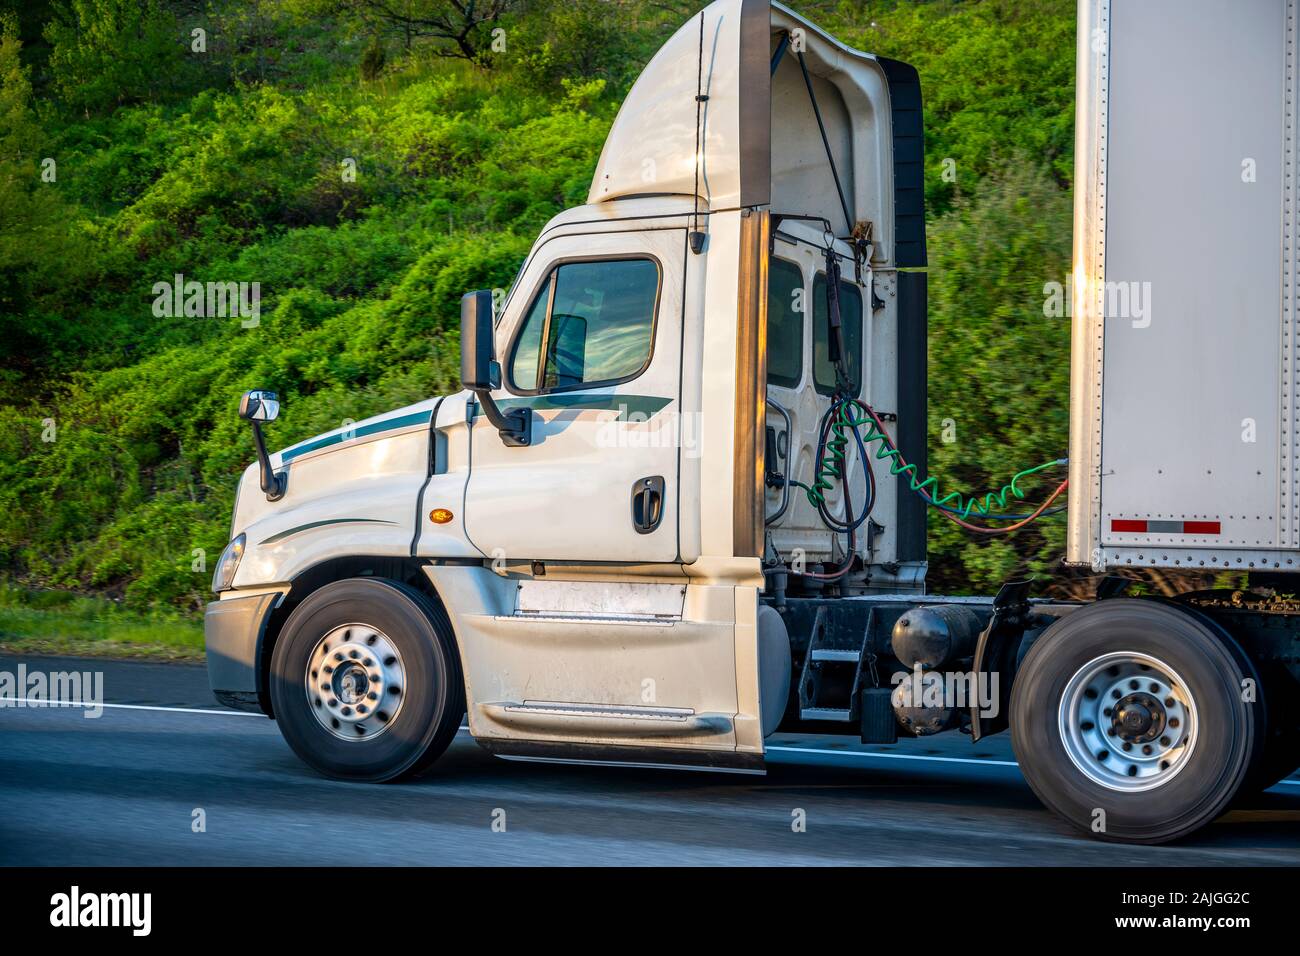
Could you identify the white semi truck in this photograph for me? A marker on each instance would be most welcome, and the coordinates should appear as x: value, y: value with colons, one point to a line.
x: 680, y: 502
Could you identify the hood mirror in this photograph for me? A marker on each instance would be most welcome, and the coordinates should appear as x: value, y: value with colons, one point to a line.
x: 256, y: 407
x: 259, y: 406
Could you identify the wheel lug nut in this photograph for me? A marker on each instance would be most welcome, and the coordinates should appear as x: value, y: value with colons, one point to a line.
x: 1164, y: 741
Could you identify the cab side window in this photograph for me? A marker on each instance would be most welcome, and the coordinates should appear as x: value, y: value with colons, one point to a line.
x: 785, y: 312
x: 851, y: 323
x: 591, y: 323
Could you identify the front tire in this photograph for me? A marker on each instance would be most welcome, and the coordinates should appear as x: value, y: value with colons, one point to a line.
x: 1129, y: 720
x: 366, y: 680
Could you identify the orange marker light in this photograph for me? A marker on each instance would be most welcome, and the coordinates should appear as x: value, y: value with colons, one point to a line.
x: 440, y: 516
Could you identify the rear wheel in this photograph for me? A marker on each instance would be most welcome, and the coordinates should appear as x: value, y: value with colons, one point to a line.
x: 366, y: 680
x: 1129, y: 720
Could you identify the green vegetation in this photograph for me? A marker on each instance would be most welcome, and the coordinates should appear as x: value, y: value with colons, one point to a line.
x: 60, y: 622
x: 128, y: 155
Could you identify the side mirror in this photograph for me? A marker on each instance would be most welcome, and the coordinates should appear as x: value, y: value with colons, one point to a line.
x: 257, y: 407
x: 479, y: 370
x: 481, y: 373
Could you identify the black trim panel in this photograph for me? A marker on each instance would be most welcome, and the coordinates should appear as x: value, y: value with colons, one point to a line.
x: 659, y: 757
x: 909, y: 163
x: 913, y: 410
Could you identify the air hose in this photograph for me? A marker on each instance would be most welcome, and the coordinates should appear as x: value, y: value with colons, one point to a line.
x: 847, y: 415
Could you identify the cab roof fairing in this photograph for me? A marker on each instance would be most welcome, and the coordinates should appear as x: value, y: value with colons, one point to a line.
x: 759, y: 141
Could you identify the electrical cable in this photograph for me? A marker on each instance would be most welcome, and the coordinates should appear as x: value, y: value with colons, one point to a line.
x: 848, y: 415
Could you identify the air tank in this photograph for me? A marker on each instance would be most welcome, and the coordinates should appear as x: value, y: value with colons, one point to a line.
x: 935, y: 636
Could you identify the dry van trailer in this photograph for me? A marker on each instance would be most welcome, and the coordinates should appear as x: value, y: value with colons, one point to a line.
x: 680, y: 502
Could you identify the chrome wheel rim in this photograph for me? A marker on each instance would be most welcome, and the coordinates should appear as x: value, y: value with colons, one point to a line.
x: 1128, y: 721
x: 355, y: 682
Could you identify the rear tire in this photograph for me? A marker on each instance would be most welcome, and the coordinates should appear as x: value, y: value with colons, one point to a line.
x: 366, y: 680
x: 1191, y: 737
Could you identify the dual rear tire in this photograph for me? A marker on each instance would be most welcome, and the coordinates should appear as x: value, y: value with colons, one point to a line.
x: 1136, y: 720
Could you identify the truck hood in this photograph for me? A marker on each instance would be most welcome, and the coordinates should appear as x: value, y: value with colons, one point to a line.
x: 354, y: 489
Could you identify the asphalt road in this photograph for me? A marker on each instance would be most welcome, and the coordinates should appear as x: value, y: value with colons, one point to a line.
x: 122, y: 789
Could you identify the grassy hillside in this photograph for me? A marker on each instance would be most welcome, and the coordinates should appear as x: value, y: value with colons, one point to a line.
x: 365, y: 173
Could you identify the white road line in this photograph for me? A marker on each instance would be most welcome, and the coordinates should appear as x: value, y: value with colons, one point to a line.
x: 42, y: 703
x: 793, y: 750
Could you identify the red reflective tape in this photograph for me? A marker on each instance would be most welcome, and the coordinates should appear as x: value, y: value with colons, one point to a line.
x: 1200, y: 527
x: 1127, y: 524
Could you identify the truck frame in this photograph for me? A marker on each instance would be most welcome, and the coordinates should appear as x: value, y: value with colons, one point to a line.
x: 649, y: 530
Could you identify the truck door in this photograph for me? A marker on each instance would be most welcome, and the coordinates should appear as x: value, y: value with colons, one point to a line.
x: 590, y: 342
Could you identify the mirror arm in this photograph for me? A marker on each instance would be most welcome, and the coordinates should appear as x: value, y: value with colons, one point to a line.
x: 273, y: 485
x: 515, y: 426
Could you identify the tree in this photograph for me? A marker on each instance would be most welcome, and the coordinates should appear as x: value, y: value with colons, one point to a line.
x: 462, y: 23
x: 40, y: 255
x: 22, y: 213
x: 110, y: 52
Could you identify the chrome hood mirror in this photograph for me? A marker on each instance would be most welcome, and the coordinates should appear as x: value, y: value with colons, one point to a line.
x: 256, y: 407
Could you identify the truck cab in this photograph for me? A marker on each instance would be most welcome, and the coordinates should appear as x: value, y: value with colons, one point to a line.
x: 602, y: 577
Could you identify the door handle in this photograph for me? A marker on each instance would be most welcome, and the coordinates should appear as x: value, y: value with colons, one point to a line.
x: 647, y: 503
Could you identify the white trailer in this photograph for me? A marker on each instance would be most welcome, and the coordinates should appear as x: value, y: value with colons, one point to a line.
x: 679, y: 503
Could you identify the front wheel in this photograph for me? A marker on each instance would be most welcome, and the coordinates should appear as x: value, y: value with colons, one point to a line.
x: 1134, y: 720
x: 366, y: 680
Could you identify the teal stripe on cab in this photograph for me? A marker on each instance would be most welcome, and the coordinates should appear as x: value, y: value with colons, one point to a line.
x: 387, y: 424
